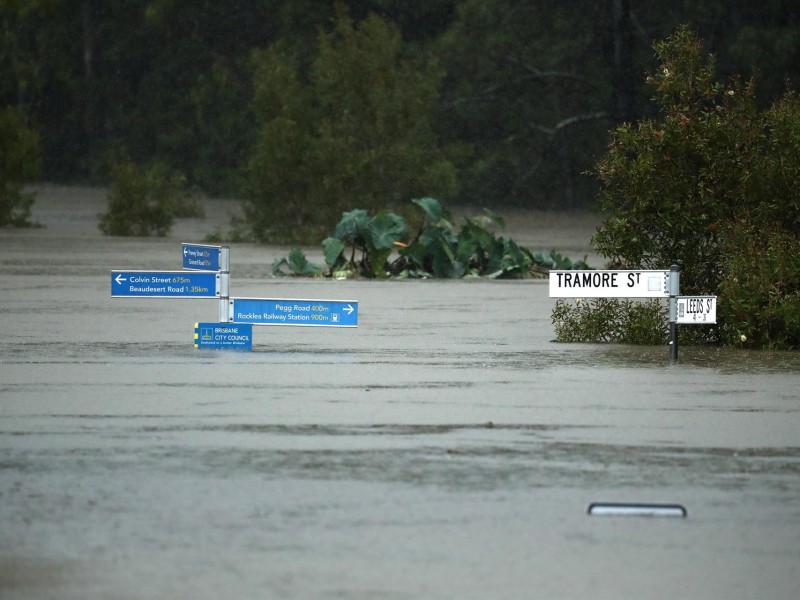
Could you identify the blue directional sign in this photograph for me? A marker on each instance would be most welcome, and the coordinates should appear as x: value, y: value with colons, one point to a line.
x: 223, y: 336
x: 309, y: 313
x: 165, y: 284
x: 200, y: 257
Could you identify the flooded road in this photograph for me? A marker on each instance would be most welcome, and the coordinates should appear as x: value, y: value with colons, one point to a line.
x: 446, y: 448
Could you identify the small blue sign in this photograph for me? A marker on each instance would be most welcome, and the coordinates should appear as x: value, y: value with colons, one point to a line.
x: 223, y: 336
x: 308, y: 313
x: 165, y: 284
x: 200, y: 257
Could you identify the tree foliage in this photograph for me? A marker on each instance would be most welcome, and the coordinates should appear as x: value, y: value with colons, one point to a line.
x: 710, y: 183
x: 352, y: 128
x: 144, y: 201
x: 526, y: 93
x: 19, y: 163
x: 384, y: 245
x: 609, y: 320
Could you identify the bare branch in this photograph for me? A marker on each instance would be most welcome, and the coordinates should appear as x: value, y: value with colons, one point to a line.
x: 569, y: 121
x: 538, y: 74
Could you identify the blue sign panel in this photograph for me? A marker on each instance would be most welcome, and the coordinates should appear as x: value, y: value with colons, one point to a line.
x: 223, y: 336
x: 309, y: 313
x: 165, y: 284
x: 199, y: 257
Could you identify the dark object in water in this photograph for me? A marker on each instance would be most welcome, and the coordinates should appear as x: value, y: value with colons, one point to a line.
x: 633, y: 509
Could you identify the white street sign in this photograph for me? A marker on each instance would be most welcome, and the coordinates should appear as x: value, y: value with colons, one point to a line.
x: 609, y: 284
x: 697, y: 310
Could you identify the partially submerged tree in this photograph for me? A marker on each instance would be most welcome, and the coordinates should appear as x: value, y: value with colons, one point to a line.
x: 353, y: 128
x: 19, y: 163
x: 144, y: 201
x: 710, y: 183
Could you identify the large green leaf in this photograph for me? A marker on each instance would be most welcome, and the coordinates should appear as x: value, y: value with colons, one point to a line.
x: 299, y: 264
x: 294, y: 264
x: 377, y: 262
x: 444, y: 263
x: 353, y: 225
x: 433, y: 209
x: 385, y: 229
x: 467, y: 247
x: 475, y: 244
x: 333, y: 249
x: 495, y: 218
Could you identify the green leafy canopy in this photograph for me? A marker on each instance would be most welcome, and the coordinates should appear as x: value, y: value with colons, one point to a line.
x: 710, y: 183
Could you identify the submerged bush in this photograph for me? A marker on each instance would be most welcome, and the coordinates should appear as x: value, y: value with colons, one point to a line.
x: 19, y: 162
x: 709, y: 184
x: 760, y: 291
x: 613, y: 320
x: 383, y: 246
x: 145, y: 201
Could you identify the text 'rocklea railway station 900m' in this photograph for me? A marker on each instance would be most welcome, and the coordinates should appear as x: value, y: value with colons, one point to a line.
x: 206, y: 274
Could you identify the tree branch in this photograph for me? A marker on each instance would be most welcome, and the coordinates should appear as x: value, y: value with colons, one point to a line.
x: 569, y: 121
x: 538, y: 74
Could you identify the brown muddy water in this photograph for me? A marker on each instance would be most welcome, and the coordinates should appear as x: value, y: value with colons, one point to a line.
x: 446, y: 448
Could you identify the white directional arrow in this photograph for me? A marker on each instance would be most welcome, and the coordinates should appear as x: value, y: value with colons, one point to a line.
x: 185, y: 251
x: 348, y: 309
x: 119, y: 279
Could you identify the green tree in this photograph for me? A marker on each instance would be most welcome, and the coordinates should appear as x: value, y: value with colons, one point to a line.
x: 191, y: 106
x: 710, y: 184
x: 527, y: 91
x: 353, y: 128
x: 144, y: 201
x: 19, y: 163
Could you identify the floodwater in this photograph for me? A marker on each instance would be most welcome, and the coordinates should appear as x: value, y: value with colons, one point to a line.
x: 446, y: 448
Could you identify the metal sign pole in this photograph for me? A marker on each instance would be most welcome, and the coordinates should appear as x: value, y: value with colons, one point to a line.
x: 225, y: 275
x: 674, y: 292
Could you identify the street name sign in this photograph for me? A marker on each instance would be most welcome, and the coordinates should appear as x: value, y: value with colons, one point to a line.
x: 609, y: 284
x: 309, y: 313
x: 165, y: 284
x: 697, y: 310
x: 201, y: 257
x: 223, y: 336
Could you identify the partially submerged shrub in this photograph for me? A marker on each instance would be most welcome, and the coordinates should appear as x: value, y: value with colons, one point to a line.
x: 145, y: 201
x: 19, y: 162
x: 442, y: 250
x: 673, y: 186
x: 382, y: 246
x: 295, y: 264
x: 612, y: 320
x: 759, y: 296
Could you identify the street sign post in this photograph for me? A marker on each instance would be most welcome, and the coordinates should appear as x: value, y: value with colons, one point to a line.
x: 697, y: 310
x: 206, y: 274
x: 683, y: 310
x: 674, y: 286
x: 202, y: 257
x: 166, y: 284
x: 308, y: 313
x: 223, y: 336
x: 608, y: 284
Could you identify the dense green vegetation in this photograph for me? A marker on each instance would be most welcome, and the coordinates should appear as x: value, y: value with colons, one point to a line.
x: 307, y: 108
x: 480, y: 102
x: 356, y: 131
x: 710, y: 183
x: 384, y: 245
x: 19, y: 162
x: 144, y: 201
